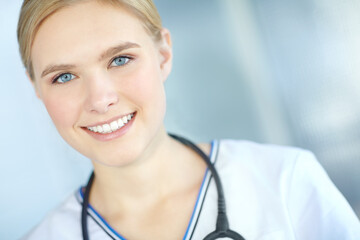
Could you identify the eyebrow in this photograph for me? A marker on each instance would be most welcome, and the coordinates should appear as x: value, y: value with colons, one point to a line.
x: 119, y: 48
x: 54, y: 68
x: 108, y: 53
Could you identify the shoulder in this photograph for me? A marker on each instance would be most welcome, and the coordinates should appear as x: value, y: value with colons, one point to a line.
x: 62, y: 223
x: 291, y: 172
x: 288, y: 182
x: 257, y: 166
x: 249, y: 149
x: 267, y: 159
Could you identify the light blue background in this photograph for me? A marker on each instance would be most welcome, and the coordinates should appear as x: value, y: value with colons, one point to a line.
x: 284, y: 72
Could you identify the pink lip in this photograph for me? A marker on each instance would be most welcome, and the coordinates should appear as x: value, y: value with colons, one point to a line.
x: 113, y: 135
x: 110, y: 120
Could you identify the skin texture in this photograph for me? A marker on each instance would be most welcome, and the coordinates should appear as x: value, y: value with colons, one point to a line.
x: 144, y: 179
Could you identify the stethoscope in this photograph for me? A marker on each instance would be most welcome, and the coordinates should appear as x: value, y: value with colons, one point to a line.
x: 222, y: 224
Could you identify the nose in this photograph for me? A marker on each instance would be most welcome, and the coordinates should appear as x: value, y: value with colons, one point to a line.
x: 101, y: 94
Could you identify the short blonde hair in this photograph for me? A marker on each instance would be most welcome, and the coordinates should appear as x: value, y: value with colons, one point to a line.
x: 34, y: 12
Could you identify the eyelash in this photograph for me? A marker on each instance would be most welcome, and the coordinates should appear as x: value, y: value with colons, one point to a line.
x: 56, y: 78
x: 128, y: 59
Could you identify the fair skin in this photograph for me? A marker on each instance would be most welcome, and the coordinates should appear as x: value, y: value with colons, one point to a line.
x: 94, y: 64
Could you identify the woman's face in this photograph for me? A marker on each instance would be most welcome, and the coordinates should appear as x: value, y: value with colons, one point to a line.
x: 100, y: 76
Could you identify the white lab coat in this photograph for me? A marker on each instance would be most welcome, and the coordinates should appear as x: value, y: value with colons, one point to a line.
x: 271, y: 192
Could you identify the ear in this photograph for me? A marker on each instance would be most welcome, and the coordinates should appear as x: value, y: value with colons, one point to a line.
x: 33, y: 83
x: 165, y: 49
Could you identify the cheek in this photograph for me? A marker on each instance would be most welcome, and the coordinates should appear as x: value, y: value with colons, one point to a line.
x: 146, y: 89
x: 62, y: 110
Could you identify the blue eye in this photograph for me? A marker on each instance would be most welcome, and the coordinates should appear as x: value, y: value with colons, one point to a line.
x: 119, y: 61
x: 63, y: 78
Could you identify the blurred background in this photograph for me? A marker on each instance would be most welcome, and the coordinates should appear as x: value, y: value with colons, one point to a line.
x: 271, y: 71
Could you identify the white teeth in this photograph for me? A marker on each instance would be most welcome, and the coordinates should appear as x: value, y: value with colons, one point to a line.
x: 120, y: 123
x: 113, y: 126
x: 125, y: 120
x: 106, y: 128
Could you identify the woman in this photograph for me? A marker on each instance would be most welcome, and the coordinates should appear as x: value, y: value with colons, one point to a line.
x: 99, y: 68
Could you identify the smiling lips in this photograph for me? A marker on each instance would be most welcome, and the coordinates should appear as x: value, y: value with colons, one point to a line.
x: 113, y: 126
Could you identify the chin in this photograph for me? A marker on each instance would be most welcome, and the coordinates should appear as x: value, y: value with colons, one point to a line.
x: 119, y: 155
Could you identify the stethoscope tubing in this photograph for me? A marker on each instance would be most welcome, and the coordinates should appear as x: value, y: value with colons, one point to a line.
x: 222, y: 229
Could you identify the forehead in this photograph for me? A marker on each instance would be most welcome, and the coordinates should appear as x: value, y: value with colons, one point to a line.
x: 87, y: 27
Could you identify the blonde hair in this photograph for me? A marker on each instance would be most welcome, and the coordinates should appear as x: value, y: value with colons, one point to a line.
x: 34, y: 12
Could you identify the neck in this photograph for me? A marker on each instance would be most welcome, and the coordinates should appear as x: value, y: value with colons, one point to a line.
x: 162, y: 170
